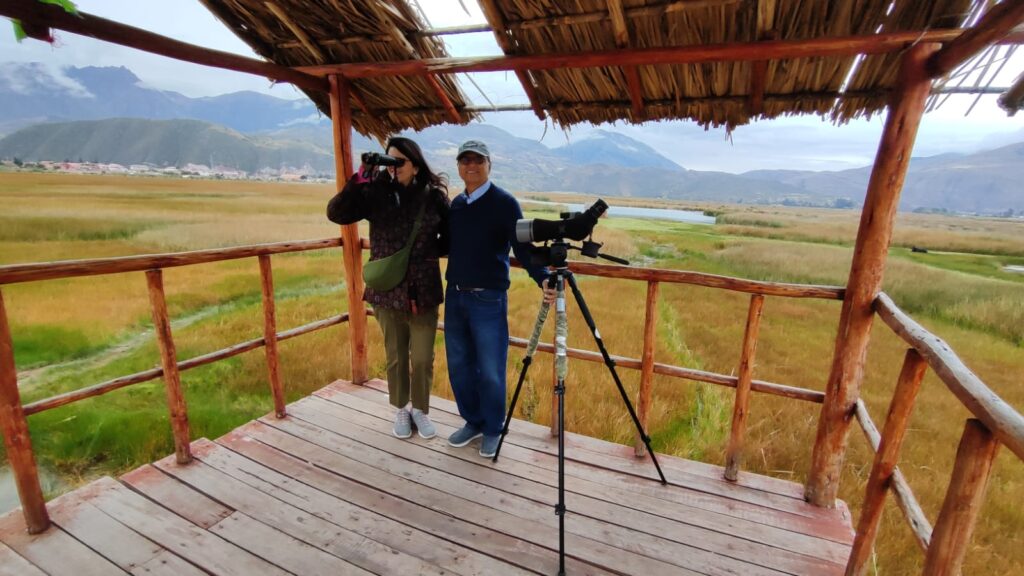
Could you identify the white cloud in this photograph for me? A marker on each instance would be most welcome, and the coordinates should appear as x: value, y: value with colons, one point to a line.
x: 793, y: 143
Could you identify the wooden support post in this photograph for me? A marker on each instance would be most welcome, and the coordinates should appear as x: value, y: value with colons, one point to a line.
x: 964, y: 498
x: 866, y: 271
x: 169, y: 362
x: 882, y: 470
x: 341, y: 116
x: 270, y: 335
x: 643, y: 402
x: 741, y: 405
x: 17, y: 440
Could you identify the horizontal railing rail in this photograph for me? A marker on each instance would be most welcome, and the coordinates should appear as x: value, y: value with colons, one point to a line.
x: 13, y: 414
x: 15, y: 273
x: 154, y: 373
x: 997, y: 423
x: 999, y: 417
x: 995, y: 416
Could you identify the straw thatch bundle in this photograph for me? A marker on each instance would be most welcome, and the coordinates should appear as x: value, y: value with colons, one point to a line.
x: 296, y: 32
x: 304, y: 33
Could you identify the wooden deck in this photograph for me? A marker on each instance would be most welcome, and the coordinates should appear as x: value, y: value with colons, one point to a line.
x: 328, y: 490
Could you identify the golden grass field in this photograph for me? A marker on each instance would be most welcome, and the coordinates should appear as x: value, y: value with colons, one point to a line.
x: 73, y: 333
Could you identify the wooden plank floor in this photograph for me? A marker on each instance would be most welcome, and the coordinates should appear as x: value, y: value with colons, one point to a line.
x: 328, y: 490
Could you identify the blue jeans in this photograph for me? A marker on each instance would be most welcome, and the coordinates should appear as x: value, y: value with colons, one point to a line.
x: 476, y: 345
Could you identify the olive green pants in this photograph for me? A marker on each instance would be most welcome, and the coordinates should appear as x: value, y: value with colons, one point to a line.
x: 409, y: 342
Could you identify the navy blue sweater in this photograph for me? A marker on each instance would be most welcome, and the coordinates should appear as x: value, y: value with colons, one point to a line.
x: 481, y: 235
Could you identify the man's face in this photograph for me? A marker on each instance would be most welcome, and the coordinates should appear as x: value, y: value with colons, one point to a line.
x: 474, y: 170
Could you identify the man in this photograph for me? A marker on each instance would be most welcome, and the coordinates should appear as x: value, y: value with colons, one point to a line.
x: 482, y: 223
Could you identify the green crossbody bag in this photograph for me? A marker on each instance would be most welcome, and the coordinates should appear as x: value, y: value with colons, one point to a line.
x: 385, y: 273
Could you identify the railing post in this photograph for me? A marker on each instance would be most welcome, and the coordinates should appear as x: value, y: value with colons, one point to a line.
x: 270, y: 335
x: 341, y: 116
x: 889, y: 446
x: 866, y: 272
x: 169, y: 362
x: 964, y: 498
x: 17, y: 440
x: 643, y: 403
x: 741, y: 405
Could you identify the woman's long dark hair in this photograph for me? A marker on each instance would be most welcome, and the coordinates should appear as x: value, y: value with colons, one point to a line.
x: 425, y: 178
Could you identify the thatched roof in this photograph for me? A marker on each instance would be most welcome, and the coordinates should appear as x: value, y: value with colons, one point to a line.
x: 722, y: 93
x: 300, y: 32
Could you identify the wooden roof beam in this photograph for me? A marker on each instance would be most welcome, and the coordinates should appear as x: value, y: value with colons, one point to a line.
x: 497, y: 22
x: 996, y: 24
x: 733, y: 52
x: 114, y: 32
x: 384, y: 12
x: 636, y: 94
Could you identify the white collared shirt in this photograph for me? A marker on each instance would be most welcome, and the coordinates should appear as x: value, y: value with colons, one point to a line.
x: 476, y: 194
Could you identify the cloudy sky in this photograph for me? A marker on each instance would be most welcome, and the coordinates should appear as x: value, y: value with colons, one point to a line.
x: 796, y: 143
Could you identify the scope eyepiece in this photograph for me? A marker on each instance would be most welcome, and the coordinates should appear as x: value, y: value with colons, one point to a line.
x: 376, y: 159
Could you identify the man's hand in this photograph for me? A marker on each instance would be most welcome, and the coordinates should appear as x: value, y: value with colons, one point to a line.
x: 549, y: 292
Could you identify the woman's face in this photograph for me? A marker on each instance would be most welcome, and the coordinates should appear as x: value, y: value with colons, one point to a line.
x: 404, y: 173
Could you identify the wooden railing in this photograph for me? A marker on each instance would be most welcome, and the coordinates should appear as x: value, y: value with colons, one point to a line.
x: 996, y: 423
x: 13, y: 414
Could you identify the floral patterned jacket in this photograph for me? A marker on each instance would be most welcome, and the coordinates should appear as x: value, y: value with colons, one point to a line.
x: 391, y: 210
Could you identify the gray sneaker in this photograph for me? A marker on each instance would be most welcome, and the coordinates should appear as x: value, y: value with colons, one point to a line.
x: 403, y: 424
x: 463, y: 436
x: 424, y: 427
x: 489, y: 446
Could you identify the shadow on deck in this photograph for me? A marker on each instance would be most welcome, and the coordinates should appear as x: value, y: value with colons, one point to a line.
x: 328, y: 490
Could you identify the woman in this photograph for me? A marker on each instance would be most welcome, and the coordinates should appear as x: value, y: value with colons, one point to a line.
x: 391, y: 200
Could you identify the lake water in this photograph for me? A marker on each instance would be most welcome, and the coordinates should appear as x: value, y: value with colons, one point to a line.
x: 690, y: 216
x: 1014, y: 269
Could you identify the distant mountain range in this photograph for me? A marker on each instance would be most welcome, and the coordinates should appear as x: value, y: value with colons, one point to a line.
x: 33, y: 93
x: 107, y: 115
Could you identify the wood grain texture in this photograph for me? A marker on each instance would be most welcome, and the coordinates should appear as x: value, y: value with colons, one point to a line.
x: 270, y: 335
x: 169, y: 361
x: 884, y: 465
x: 741, y: 403
x: 964, y: 499
x: 771, y: 50
x: 341, y: 116
x: 96, y: 266
x: 643, y: 401
x: 866, y: 273
x: 17, y: 439
x: 998, y: 416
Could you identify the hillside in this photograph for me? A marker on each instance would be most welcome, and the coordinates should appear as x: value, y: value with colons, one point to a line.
x: 159, y: 142
x: 33, y: 93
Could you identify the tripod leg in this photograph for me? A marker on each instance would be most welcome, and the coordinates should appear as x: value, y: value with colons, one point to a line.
x: 561, y: 369
x: 611, y: 367
x: 538, y: 326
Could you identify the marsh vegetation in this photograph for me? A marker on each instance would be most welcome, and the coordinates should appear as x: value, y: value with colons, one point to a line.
x: 76, y: 332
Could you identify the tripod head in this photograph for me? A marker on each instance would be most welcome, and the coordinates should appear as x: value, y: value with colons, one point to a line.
x: 555, y: 252
x: 572, y: 225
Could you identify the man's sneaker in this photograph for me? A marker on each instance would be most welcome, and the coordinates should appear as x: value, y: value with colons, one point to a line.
x: 463, y: 436
x: 489, y: 446
x: 403, y: 424
x: 424, y: 427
